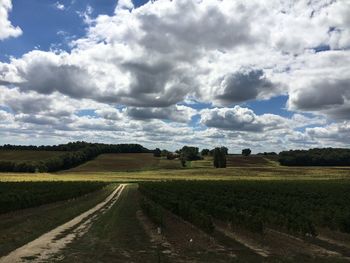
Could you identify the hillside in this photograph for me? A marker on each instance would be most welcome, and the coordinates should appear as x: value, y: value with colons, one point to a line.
x: 125, y: 162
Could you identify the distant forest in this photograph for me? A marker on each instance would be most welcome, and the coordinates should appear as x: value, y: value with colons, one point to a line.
x: 316, y: 157
x: 73, y: 154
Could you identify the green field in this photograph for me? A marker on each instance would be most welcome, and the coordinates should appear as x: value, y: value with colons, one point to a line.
x: 252, y: 211
x: 27, y: 155
x: 19, y: 195
x: 298, y: 207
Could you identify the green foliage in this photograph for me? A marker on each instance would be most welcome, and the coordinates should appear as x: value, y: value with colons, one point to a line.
x: 246, y: 152
x: 205, y: 152
x: 178, y: 205
x: 219, y: 155
x: 316, y: 157
x: 14, y: 196
x: 171, y: 156
x: 188, y: 153
x: 224, y: 150
x: 157, y: 152
x: 297, y: 207
x: 153, y: 211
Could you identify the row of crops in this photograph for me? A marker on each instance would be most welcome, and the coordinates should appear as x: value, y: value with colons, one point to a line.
x: 297, y: 207
x: 20, y: 195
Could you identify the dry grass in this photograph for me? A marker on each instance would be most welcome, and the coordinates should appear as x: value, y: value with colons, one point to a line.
x: 248, y: 161
x: 240, y: 173
x: 124, y: 162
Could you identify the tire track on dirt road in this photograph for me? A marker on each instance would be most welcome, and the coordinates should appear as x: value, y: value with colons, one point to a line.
x: 53, y: 241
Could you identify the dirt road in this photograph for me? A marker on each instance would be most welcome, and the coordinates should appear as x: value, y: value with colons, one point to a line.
x: 49, y: 244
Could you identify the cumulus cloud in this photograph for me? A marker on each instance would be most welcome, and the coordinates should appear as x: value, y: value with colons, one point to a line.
x: 321, y: 94
x: 124, y: 4
x: 6, y: 28
x: 147, y: 57
x: 133, y: 69
x: 333, y: 135
x: 321, y: 84
x: 109, y: 113
x: 244, y: 85
x: 240, y: 119
x: 156, y: 68
x: 177, y: 113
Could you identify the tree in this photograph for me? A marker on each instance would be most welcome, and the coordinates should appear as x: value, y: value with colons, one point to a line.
x: 219, y: 157
x: 246, y: 152
x: 190, y: 153
x: 182, y: 160
x: 171, y: 156
x: 157, y: 152
x: 164, y: 153
x: 205, y: 152
x: 225, y: 150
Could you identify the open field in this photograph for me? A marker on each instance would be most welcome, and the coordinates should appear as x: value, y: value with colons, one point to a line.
x: 27, y: 155
x: 247, y: 173
x: 253, y: 211
x: 125, y: 162
x: 250, y: 161
x: 140, y: 167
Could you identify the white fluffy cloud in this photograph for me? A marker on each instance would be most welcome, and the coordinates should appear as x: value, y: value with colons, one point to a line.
x: 148, y: 57
x: 244, y: 119
x: 322, y: 84
x: 6, y: 28
x: 240, y: 119
x: 336, y: 134
x: 134, y: 69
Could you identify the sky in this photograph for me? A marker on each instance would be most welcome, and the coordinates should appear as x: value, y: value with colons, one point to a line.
x: 270, y: 75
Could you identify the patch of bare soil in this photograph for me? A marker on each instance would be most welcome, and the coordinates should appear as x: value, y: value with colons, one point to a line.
x: 158, y: 239
x: 336, y: 238
x: 50, y: 243
x: 289, y: 244
x: 246, y: 240
x: 274, y: 243
x: 184, y: 242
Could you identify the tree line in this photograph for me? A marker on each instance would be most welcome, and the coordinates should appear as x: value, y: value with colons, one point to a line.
x: 78, y: 153
x: 71, y: 146
x: 316, y: 157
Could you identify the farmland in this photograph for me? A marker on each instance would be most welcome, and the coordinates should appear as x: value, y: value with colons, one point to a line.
x: 22, y: 226
x: 14, y: 196
x: 124, y: 162
x: 296, y: 207
x: 253, y: 211
x: 251, y: 161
